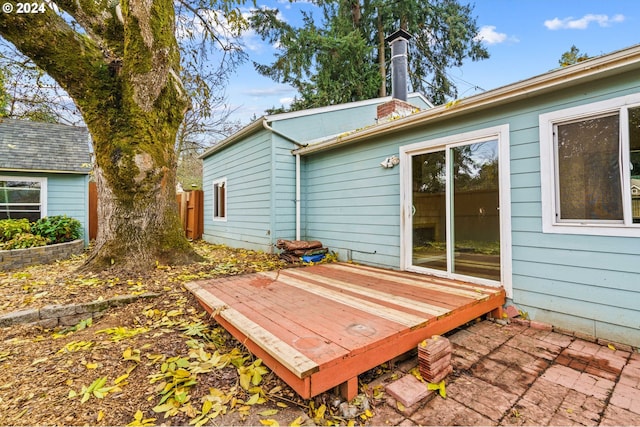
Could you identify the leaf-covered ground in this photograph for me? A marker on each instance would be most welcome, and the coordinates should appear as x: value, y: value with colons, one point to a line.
x: 155, y: 361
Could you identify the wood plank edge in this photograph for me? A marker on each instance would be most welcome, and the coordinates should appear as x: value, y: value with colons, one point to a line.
x: 256, y: 333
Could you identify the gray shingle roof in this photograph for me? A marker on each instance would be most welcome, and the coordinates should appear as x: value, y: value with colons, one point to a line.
x: 33, y: 146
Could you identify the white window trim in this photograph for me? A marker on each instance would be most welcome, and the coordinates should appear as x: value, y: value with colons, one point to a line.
x: 548, y: 168
x: 214, y: 184
x: 501, y: 133
x: 43, y: 189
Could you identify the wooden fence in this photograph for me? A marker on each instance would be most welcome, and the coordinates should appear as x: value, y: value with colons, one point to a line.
x: 190, y: 205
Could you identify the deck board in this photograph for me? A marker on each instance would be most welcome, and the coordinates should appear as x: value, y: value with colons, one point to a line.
x: 370, y: 292
x: 290, y: 357
x: 308, y: 317
x: 319, y: 327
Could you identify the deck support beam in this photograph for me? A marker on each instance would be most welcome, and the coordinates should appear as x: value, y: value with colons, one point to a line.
x: 497, y: 313
x: 348, y: 390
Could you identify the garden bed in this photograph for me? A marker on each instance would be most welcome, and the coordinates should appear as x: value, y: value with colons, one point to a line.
x: 18, y: 258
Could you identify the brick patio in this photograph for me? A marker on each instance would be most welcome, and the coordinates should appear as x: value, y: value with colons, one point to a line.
x: 519, y: 375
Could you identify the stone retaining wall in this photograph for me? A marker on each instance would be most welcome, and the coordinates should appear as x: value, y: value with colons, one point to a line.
x: 67, y: 315
x: 18, y: 258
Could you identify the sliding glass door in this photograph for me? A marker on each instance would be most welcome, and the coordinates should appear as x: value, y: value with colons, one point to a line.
x: 455, y: 212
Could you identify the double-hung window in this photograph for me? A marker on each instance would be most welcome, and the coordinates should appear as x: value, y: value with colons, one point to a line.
x: 22, y: 197
x: 220, y: 200
x: 590, y: 168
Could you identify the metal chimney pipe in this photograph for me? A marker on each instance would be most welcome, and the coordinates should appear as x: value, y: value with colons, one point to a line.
x: 399, y: 64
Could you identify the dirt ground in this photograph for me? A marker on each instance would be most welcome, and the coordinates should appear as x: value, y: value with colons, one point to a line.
x: 156, y: 361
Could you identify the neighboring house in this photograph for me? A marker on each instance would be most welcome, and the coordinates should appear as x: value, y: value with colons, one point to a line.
x: 44, y: 171
x: 527, y: 186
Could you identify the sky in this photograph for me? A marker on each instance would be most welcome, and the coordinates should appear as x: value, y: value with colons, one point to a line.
x: 525, y: 38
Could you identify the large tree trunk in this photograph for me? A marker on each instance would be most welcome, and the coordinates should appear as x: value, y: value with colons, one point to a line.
x: 122, y: 72
x: 137, y: 210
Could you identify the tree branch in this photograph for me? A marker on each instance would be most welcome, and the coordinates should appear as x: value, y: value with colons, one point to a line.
x: 95, y: 17
x: 49, y: 41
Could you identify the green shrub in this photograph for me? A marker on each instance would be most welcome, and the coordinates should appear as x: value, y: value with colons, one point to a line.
x: 58, y: 229
x: 11, y: 227
x: 24, y: 240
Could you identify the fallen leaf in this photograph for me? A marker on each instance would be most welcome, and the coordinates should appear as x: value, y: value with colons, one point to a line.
x: 253, y: 399
x: 121, y: 378
x: 442, y: 390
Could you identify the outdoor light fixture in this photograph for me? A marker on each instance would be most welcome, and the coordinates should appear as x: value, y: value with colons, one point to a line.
x: 390, y: 162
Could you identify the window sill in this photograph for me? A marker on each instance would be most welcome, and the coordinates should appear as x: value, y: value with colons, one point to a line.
x: 610, y: 230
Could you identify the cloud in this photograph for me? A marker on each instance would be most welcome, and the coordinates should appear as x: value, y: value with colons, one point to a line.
x: 489, y: 35
x: 571, y: 23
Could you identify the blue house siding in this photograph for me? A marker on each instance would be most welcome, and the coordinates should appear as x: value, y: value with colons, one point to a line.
x: 583, y: 283
x: 284, y: 190
x: 320, y: 123
x: 67, y: 194
x: 352, y: 203
x: 262, y: 208
x: 53, y: 151
x: 247, y: 168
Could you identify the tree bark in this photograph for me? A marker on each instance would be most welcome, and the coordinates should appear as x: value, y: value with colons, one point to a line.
x: 123, y: 75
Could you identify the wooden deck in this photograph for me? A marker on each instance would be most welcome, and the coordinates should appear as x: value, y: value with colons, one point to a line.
x: 320, y: 327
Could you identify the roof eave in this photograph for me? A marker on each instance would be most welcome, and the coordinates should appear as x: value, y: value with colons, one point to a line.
x: 17, y: 170
x: 614, y: 63
x: 249, y: 129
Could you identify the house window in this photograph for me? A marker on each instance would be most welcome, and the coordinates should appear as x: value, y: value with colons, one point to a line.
x: 220, y: 200
x: 590, y: 168
x: 22, y: 197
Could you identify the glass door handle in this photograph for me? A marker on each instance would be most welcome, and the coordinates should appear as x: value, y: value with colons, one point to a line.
x: 413, y: 210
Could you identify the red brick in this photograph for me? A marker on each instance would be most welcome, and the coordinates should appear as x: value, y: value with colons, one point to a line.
x: 615, y: 416
x: 408, y: 390
x: 626, y: 397
x: 578, y: 365
x: 520, y: 321
x: 512, y: 311
x: 541, y: 326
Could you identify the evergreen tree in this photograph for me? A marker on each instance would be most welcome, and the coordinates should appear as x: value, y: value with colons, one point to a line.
x: 346, y: 59
x: 572, y: 56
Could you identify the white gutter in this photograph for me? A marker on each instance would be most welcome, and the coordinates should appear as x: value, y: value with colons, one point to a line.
x: 263, y: 123
x: 288, y: 138
x: 298, y: 197
x: 614, y: 63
